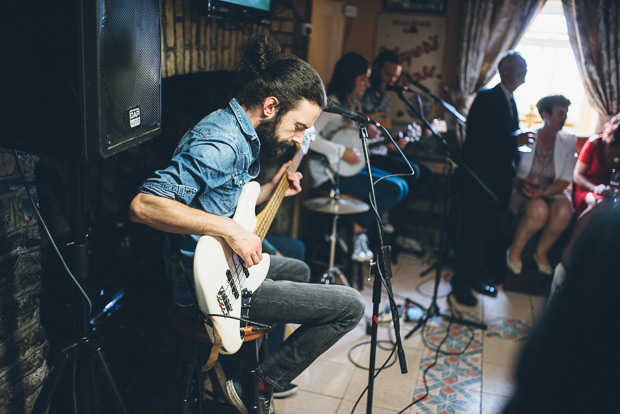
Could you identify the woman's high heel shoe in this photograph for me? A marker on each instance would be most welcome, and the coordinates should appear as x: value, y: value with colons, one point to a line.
x: 542, y: 268
x: 515, y: 268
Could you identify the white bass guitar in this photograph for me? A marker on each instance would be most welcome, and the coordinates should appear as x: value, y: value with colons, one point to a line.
x: 223, y: 285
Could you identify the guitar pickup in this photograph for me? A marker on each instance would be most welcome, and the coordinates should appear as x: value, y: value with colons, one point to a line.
x: 235, y: 292
x: 233, y: 285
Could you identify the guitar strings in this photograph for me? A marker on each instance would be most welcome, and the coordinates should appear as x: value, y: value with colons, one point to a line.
x: 281, y: 188
x: 239, y: 273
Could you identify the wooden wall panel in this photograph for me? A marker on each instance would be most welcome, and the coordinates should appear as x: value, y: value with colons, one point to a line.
x: 193, y: 42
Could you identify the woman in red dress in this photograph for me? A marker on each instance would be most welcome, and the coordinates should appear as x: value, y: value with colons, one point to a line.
x: 599, y: 155
x: 597, y: 159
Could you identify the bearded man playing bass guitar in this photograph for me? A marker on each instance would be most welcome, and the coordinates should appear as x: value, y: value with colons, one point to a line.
x: 279, y: 97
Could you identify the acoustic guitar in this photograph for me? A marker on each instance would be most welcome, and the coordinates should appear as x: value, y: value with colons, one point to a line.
x: 349, y: 137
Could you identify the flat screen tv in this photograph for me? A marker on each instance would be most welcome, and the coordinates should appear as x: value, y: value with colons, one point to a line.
x: 247, y: 10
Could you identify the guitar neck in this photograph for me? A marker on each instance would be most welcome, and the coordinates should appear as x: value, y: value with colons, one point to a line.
x: 265, y: 217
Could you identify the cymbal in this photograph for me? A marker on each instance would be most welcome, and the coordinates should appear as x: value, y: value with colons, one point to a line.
x: 336, y: 205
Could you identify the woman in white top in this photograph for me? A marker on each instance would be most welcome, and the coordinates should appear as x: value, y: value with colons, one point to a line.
x: 348, y: 83
x: 540, y: 198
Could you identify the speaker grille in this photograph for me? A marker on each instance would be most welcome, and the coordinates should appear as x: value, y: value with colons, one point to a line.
x: 129, y: 75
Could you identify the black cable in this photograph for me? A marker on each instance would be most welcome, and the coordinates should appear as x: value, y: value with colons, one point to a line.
x: 377, y: 371
x: 418, y: 289
x: 74, y: 393
x: 354, y: 347
x: 263, y: 325
x: 199, y: 384
x: 62, y: 260
x: 403, y: 156
x: 424, y: 334
x: 445, y: 338
x: 438, y: 350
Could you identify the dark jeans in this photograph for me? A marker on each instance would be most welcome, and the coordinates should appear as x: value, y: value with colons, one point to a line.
x: 325, y: 312
x: 289, y: 247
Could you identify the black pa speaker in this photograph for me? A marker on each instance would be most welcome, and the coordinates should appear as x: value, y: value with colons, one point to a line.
x: 84, y: 78
x: 120, y: 78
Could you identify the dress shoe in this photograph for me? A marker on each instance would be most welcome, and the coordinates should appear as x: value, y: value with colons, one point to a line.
x: 464, y: 297
x: 485, y: 289
x: 542, y: 268
x: 515, y: 268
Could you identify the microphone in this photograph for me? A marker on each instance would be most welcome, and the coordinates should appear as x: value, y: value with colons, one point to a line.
x: 417, y: 84
x: 335, y: 108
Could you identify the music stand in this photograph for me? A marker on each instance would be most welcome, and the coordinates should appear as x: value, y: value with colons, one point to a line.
x: 84, y: 352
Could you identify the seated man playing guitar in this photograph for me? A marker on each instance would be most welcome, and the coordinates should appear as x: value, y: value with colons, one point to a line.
x: 387, y: 70
x: 195, y: 197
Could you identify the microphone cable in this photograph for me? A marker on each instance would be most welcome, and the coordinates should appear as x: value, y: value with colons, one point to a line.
x: 49, y: 235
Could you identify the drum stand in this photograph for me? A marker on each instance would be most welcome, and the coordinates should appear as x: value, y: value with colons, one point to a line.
x: 334, y: 205
x: 333, y: 272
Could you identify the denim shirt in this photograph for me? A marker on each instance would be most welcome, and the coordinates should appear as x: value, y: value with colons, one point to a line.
x: 210, y: 166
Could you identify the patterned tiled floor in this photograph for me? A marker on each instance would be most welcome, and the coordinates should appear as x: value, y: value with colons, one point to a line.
x: 479, y: 381
x: 472, y: 373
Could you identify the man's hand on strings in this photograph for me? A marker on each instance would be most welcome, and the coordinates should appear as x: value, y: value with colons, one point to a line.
x: 294, y: 179
x: 351, y: 156
x: 246, y: 244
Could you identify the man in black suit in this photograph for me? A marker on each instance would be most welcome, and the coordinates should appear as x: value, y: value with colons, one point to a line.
x: 490, y: 150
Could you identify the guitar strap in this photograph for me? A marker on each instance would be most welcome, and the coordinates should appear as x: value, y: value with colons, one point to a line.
x: 217, y: 344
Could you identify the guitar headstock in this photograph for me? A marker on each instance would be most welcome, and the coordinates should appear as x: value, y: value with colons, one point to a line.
x: 309, y: 136
x: 414, y: 132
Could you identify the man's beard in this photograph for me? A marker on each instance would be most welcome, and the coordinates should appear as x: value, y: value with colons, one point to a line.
x: 271, y: 146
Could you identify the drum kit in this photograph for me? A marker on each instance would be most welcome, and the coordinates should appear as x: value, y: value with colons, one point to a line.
x: 336, y: 206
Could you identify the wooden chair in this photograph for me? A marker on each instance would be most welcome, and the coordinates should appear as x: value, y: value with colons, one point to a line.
x: 251, y: 353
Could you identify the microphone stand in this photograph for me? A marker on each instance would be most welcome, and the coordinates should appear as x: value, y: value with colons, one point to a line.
x: 460, y: 118
x: 454, y: 157
x: 383, y: 274
x: 433, y: 309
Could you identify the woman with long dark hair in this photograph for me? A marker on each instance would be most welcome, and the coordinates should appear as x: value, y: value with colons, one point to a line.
x: 348, y: 83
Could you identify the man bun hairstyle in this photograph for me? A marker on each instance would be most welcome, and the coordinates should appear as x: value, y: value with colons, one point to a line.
x: 265, y: 70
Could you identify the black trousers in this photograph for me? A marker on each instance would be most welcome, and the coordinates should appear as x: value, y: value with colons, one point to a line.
x: 482, y: 240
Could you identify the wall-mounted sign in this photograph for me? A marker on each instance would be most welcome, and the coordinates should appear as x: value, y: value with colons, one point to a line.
x: 419, y: 41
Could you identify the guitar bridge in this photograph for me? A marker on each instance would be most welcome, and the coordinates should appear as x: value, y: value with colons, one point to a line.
x: 222, y: 299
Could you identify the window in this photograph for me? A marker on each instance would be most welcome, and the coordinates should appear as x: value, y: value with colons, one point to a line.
x: 551, y: 70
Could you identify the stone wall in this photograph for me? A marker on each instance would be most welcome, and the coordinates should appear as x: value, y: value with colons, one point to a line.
x: 23, y: 343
